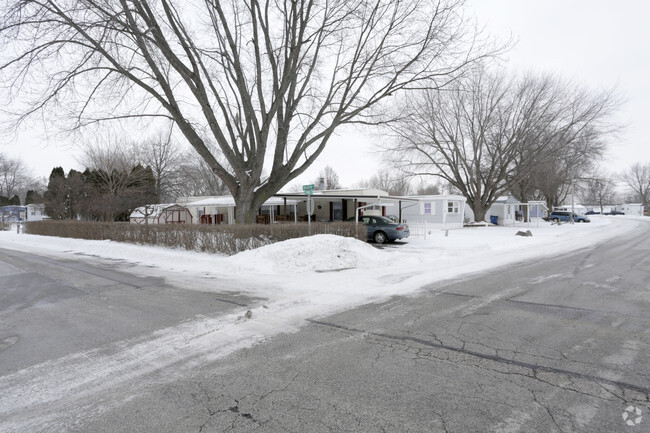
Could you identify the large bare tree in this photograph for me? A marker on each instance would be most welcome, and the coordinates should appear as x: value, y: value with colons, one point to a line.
x: 487, y: 133
x: 267, y: 81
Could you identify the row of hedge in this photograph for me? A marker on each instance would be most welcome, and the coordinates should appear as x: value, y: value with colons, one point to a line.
x: 223, y: 239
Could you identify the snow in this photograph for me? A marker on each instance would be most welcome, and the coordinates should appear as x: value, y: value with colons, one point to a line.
x: 315, y: 270
x: 295, y: 281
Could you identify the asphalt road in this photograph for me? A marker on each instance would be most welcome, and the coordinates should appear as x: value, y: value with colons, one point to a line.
x: 558, y: 345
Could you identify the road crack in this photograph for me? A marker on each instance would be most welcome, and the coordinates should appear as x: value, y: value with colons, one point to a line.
x: 535, y: 369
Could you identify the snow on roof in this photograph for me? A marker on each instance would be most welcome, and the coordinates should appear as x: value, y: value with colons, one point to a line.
x: 229, y: 201
x: 352, y: 191
x: 151, y: 210
x: 436, y: 197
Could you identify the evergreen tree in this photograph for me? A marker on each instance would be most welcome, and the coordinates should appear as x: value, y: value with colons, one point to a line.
x: 15, y: 200
x: 33, y: 197
x: 55, y: 196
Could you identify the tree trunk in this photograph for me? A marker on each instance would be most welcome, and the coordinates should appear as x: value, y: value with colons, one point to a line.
x: 478, y: 209
x: 248, y: 202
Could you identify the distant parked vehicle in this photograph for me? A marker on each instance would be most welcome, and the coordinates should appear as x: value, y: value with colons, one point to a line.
x: 591, y: 212
x: 565, y: 216
x: 615, y: 212
x: 381, y: 229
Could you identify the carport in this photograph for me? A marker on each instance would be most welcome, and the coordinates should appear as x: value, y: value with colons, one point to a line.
x: 340, y: 205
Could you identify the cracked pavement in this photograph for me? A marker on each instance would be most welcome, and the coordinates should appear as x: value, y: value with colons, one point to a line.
x: 555, y: 345
x: 558, y: 345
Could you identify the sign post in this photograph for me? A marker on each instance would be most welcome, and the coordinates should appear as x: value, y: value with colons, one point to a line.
x: 309, y: 191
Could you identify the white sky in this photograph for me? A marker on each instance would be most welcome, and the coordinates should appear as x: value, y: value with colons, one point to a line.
x: 597, y: 43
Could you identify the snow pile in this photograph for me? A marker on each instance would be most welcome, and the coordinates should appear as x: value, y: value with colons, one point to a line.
x: 315, y: 253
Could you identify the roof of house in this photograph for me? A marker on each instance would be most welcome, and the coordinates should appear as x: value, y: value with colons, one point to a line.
x: 437, y: 197
x: 229, y: 201
x: 154, y: 210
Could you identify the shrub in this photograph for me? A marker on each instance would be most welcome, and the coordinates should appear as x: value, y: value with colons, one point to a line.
x: 224, y: 239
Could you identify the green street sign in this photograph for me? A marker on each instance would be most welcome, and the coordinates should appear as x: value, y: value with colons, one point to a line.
x: 308, y: 188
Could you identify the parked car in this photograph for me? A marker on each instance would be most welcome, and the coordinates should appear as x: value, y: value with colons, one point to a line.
x: 565, y: 216
x: 615, y: 212
x: 381, y: 229
x: 592, y: 212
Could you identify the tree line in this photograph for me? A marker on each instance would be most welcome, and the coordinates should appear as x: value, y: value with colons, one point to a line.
x: 97, y: 194
x: 492, y: 133
x: 121, y: 176
x: 258, y: 88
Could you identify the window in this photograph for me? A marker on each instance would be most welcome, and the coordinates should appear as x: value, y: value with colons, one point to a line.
x: 453, y: 207
x: 337, y: 211
x: 427, y: 208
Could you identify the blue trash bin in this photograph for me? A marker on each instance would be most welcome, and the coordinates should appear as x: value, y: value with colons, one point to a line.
x: 494, y: 219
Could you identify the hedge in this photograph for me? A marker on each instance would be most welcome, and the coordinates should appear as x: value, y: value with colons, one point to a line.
x: 226, y: 239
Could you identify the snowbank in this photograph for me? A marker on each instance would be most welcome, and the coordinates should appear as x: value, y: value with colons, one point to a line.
x: 315, y: 253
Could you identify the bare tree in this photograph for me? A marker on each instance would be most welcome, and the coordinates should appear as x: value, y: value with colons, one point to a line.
x: 329, y: 177
x: 14, y: 177
x: 599, y: 190
x: 564, y: 163
x: 268, y: 81
x: 637, y: 178
x: 487, y: 133
x: 428, y: 188
x: 165, y: 157
x: 195, y: 178
x: 119, y: 184
x: 393, y: 182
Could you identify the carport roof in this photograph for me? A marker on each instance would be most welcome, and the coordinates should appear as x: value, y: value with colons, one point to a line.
x: 319, y: 195
x: 229, y: 201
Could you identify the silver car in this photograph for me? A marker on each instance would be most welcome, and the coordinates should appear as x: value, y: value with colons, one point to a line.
x: 381, y: 229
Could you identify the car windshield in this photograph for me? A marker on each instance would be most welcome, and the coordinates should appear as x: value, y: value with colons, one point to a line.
x: 383, y: 219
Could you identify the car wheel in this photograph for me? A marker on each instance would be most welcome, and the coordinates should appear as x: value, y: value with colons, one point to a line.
x: 556, y: 220
x: 581, y: 221
x: 380, y: 237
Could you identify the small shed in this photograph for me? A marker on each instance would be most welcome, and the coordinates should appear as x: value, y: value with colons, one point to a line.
x: 171, y: 213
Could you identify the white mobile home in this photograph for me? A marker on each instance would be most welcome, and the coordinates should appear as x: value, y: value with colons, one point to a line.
x: 36, y: 212
x: 632, y: 208
x: 437, y: 211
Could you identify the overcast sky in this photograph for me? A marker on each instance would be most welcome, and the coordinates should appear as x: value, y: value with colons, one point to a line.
x: 595, y: 42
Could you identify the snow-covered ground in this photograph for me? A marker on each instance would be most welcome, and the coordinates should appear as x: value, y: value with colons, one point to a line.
x: 327, y: 273
x: 295, y: 280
